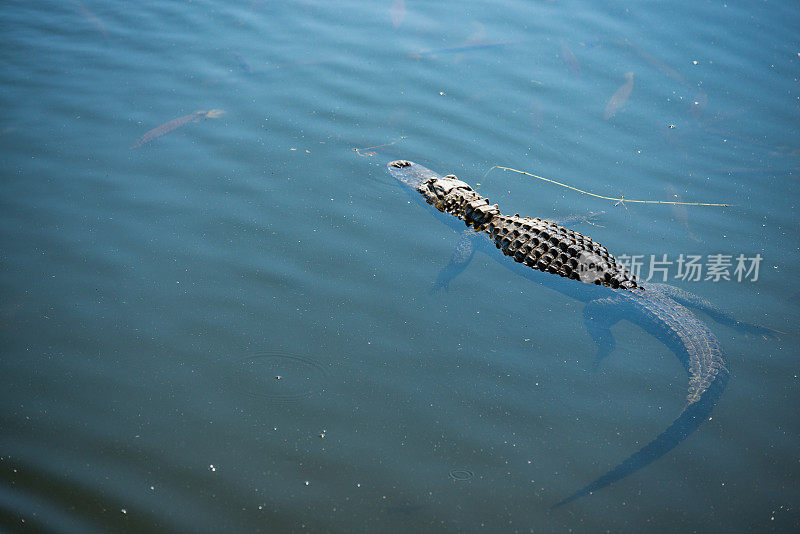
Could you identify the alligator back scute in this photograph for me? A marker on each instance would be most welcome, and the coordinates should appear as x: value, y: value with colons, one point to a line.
x: 551, y: 248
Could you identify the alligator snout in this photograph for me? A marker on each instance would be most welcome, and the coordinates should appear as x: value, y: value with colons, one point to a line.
x: 409, y: 172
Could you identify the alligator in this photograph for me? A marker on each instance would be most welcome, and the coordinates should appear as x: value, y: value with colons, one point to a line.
x: 585, y: 270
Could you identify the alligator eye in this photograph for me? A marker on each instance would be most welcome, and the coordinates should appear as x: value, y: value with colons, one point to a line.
x: 400, y: 163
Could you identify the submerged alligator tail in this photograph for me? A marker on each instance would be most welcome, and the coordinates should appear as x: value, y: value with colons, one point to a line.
x: 689, y: 420
x: 701, y: 355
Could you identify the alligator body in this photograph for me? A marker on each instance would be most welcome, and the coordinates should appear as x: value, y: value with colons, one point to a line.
x: 537, y: 245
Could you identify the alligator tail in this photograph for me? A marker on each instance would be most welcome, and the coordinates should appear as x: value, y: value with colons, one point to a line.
x: 687, y: 422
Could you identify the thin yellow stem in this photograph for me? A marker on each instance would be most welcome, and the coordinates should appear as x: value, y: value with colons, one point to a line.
x: 369, y: 153
x: 618, y: 200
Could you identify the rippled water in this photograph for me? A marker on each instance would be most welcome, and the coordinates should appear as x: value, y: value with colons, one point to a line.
x: 231, y: 327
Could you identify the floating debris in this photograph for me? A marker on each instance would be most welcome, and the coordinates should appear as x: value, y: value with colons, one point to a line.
x: 368, y: 151
x: 618, y: 200
x: 174, y: 124
x: 619, y: 98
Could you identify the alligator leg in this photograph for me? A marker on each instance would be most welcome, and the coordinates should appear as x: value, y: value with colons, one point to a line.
x: 599, y: 316
x: 715, y: 312
x: 461, y: 257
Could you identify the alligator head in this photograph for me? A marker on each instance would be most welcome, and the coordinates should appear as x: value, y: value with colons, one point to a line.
x: 432, y: 186
x: 446, y: 193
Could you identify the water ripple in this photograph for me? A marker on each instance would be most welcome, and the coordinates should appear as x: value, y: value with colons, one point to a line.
x: 278, y: 376
x: 461, y: 475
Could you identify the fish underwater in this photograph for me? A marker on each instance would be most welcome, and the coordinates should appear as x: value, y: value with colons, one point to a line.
x: 397, y: 12
x: 458, y: 49
x: 174, y: 124
x: 91, y: 17
x: 619, y: 98
x: 242, y: 63
x: 569, y: 59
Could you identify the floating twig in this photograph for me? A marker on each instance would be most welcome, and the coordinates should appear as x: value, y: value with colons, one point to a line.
x: 620, y: 200
x: 369, y: 152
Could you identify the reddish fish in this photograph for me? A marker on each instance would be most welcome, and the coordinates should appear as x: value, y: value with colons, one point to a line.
x: 91, y: 17
x: 174, y: 124
x: 397, y: 12
x: 619, y: 98
x: 569, y: 59
x: 660, y: 65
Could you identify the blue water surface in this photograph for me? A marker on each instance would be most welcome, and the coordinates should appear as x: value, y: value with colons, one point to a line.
x: 231, y: 328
